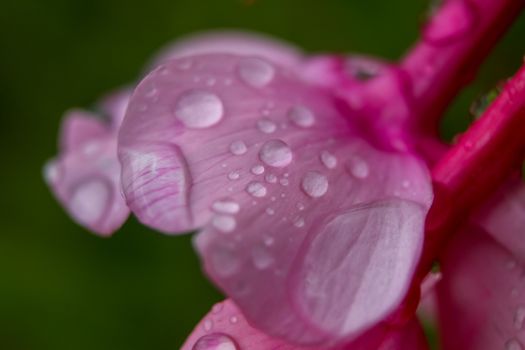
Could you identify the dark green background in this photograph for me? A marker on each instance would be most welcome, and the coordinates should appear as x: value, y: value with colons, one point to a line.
x: 63, y: 288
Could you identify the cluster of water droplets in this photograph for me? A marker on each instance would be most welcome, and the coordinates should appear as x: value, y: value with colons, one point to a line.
x: 213, y: 340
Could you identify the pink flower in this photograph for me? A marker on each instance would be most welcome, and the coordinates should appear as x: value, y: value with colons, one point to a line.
x: 308, y: 181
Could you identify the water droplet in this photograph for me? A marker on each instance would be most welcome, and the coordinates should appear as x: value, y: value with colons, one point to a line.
x: 358, y: 167
x: 266, y: 126
x: 256, y: 189
x: 226, y: 206
x: 224, y: 223
x: 314, y: 184
x: 261, y: 257
x: 234, y: 175
x: 238, y: 148
x: 234, y: 319
x: 300, y: 206
x: 199, y: 109
x: 210, y: 81
x: 299, y: 222
x: 216, y: 341
x: 271, y: 178
x: 208, y: 325
x: 270, y: 211
x: 217, y: 308
x: 184, y: 63
x: 519, y: 317
x: 256, y: 72
x: 284, y: 182
x: 276, y: 153
x: 405, y: 184
x: 301, y: 116
x: 269, y: 241
x: 513, y: 344
x: 224, y: 260
x: 258, y: 169
x: 328, y: 159
x: 89, y: 200
x: 51, y: 172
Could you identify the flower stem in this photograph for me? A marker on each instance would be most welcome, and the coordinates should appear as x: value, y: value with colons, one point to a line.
x: 454, y: 43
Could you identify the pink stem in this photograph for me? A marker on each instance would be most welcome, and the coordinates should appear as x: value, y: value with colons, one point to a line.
x: 471, y: 170
x: 454, y: 43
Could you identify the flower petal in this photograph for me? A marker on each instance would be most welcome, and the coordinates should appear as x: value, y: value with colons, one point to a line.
x: 278, y: 177
x: 483, y: 279
x: 232, y: 42
x: 86, y: 176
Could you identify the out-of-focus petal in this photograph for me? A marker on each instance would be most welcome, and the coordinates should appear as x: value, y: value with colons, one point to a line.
x: 482, y: 294
x: 115, y: 105
x: 224, y: 327
x: 313, y: 231
x: 85, y: 177
x: 232, y: 42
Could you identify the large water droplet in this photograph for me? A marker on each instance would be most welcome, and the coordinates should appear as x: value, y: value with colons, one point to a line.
x: 226, y: 206
x: 301, y: 116
x: 314, y: 184
x: 238, y: 148
x: 266, y: 126
x: 256, y: 72
x: 519, y: 317
x: 215, y: 341
x: 199, y: 109
x: 89, y: 200
x: 358, y: 167
x: 256, y: 189
x: 276, y: 153
x: 224, y: 223
x: 261, y: 256
x: 513, y: 344
x: 328, y: 159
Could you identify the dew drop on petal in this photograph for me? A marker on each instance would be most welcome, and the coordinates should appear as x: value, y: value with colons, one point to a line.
x: 208, y: 325
x: 314, y: 184
x: 224, y: 260
x: 299, y: 222
x: 513, y: 344
x: 261, y: 257
x: 234, y: 175
x: 271, y: 178
x: 519, y: 317
x: 358, y: 167
x: 284, y: 182
x: 256, y: 189
x: 328, y: 159
x: 199, y: 109
x: 300, y: 206
x: 256, y: 72
x: 234, y: 319
x: 266, y: 126
x: 238, y: 148
x: 215, y: 341
x: 226, y: 206
x: 217, y: 308
x: 276, y: 153
x: 88, y: 202
x: 257, y: 169
x: 224, y: 223
x: 301, y: 116
x: 270, y: 211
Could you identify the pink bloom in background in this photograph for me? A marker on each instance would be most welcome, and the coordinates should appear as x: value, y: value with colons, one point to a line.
x: 308, y: 181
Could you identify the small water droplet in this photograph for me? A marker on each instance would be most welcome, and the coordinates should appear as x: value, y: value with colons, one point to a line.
x: 257, y: 169
x: 300, y: 206
x: 184, y: 63
x: 215, y: 341
x: 328, y: 159
x: 199, y: 109
x: 89, y: 200
x: 238, y: 148
x: 270, y: 211
x: 224, y: 260
x: 269, y: 241
x: 519, y: 317
x: 358, y: 167
x: 405, y: 184
x: 224, y: 223
x: 271, y: 178
x: 234, y: 319
x: 256, y: 189
x: 513, y: 344
x: 276, y: 153
x: 256, y: 72
x: 208, y: 325
x: 299, y: 222
x: 266, y: 126
x: 210, y: 81
x: 261, y: 256
x: 284, y: 182
x: 234, y: 175
x: 314, y: 184
x: 301, y: 116
x: 217, y: 308
x: 226, y: 206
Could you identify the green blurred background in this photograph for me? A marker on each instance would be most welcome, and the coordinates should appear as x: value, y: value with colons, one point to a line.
x: 63, y: 288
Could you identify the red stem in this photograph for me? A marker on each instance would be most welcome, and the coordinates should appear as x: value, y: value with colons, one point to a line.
x: 454, y: 43
x: 472, y: 169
